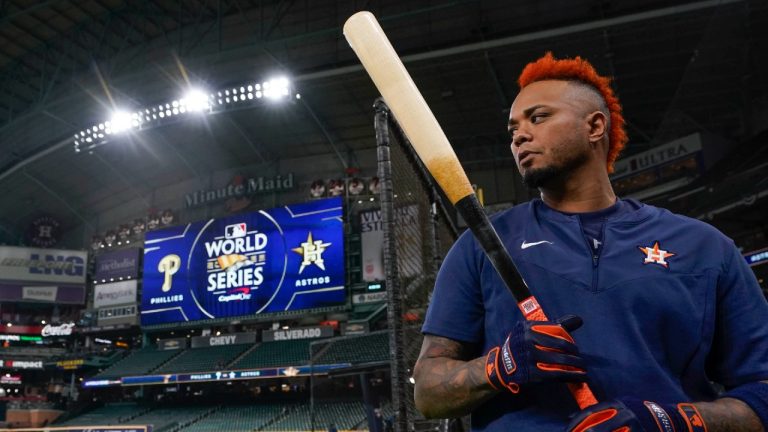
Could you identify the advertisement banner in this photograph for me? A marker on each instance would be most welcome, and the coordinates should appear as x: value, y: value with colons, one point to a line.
x: 172, y: 344
x: 659, y: 155
x: 757, y: 257
x: 115, y: 293
x: 39, y: 293
x: 121, y: 428
x: 10, y: 379
x: 113, y: 315
x: 408, y: 240
x: 21, y: 338
x: 67, y: 294
x: 71, y: 364
x: 220, y: 375
x: 226, y: 339
x: 58, y: 330
x: 106, y: 328
x: 42, y: 265
x: 373, y: 297
x: 297, y: 333
x: 356, y: 328
x: 282, y: 259
x: 372, y: 239
x: 22, y: 364
x: 118, y: 264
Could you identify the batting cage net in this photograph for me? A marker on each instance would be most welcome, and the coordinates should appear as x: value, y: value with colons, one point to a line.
x: 413, y: 232
x: 417, y: 234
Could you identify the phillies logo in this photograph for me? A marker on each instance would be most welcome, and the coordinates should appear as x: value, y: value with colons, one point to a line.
x: 656, y: 255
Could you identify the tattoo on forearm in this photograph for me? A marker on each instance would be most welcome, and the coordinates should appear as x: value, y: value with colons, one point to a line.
x: 729, y: 415
x: 449, y: 383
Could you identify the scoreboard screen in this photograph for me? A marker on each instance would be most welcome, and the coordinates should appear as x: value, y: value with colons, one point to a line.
x: 282, y: 259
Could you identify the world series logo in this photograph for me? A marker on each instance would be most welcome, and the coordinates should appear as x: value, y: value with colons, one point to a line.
x: 243, y: 267
x: 235, y: 263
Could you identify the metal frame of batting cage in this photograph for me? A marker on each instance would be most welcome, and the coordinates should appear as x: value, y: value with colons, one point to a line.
x: 407, y: 188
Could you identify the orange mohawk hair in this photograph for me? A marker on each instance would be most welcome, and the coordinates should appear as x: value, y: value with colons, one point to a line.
x: 578, y: 69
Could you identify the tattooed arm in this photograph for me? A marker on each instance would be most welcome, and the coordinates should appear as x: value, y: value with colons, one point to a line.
x: 729, y: 415
x: 449, y: 382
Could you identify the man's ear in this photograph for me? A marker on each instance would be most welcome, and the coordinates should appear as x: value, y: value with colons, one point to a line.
x: 597, y: 123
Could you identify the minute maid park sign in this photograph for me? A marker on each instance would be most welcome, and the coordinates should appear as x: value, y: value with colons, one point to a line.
x: 249, y: 186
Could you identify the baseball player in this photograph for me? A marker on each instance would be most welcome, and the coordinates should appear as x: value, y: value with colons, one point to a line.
x: 654, y: 307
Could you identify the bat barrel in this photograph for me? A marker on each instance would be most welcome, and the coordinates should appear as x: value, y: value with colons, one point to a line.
x: 420, y: 126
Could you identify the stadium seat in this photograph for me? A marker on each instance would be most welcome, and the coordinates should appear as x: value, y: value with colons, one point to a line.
x: 271, y: 354
x: 240, y: 418
x: 204, y: 359
x: 368, y: 348
x: 140, y: 362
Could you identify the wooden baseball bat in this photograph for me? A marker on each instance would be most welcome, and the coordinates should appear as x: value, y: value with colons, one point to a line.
x: 383, y: 65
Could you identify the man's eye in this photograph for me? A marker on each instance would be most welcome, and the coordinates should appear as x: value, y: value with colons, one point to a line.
x: 512, y: 131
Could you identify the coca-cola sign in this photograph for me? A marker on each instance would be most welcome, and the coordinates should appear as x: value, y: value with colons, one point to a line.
x: 59, y: 330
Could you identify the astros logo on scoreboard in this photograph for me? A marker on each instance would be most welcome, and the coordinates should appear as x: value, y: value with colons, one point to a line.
x: 312, y: 252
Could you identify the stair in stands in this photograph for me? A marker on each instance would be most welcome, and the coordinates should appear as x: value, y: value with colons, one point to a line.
x: 240, y: 357
x: 170, y: 359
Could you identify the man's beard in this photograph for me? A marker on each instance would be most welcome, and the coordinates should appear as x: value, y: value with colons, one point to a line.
x: 542, y: 177
x: 539, y: 177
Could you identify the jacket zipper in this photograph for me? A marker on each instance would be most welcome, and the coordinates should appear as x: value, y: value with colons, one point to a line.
x: 594, y: 254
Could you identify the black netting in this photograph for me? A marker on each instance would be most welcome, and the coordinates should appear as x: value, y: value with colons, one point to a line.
x: 421, y: 233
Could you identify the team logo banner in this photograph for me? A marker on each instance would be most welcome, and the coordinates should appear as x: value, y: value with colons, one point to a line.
x: 282, y: 259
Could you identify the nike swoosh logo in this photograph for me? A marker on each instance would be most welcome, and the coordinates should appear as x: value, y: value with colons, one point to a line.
x: 525, y: 245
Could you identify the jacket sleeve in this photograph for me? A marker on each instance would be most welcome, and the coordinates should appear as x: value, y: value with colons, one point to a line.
x: 740, y: 346
x: 456, y: 310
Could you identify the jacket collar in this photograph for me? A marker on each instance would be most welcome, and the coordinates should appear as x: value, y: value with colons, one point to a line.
x: 641, y: 213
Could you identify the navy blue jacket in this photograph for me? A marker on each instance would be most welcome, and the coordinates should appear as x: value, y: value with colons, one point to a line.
x: 668, y: 306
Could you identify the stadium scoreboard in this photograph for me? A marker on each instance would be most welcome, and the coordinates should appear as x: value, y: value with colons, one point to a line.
x: 282, y: 259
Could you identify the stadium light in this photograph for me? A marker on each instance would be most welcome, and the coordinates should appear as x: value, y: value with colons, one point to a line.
x: 194, y: 101
x: 276, y: 88
x: 121, y: 122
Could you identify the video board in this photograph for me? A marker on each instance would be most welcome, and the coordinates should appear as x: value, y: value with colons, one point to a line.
x: 283, y: 259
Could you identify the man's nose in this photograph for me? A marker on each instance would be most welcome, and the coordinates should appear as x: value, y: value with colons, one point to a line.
x: 521, y: 136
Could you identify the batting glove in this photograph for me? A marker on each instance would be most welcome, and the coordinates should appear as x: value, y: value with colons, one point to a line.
x: 633, y: 415
x: 536, y: 351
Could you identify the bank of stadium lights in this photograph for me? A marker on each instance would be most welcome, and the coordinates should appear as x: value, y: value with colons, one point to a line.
x: 96, y: 281
x: 194, y: 101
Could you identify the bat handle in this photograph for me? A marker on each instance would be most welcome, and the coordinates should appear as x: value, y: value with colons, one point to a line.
x: 583, y: 394
x: 580, y: 391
